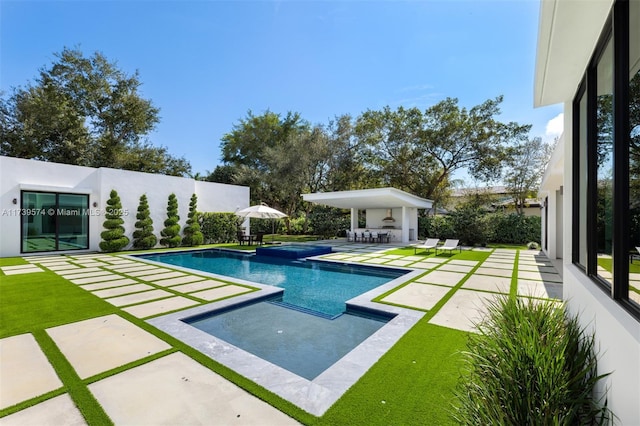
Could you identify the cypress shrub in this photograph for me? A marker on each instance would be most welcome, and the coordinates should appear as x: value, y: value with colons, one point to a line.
x: 530, y: 364
x: 171, y: 232
x: 143, y: 237
x: 113, y: 239
x: 192, y: 234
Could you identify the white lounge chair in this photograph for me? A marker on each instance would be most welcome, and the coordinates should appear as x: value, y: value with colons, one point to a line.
x: 635, y: 255
x: 427, y: 245
x: 449, y: 245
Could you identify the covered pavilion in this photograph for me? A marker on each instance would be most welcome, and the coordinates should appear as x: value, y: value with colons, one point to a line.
x: 387, y: 209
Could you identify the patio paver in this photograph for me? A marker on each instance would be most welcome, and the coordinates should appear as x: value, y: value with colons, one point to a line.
x: 498, y: 265
x: 463, y: 310
x: 131, y: 299
x: 119, y: 291
x: 488, y: 283
x: 494, y: 272
x: 100, y: 344
x: 108, y: 284
x: 178, y: 280
x: 60, y: 410
x: 442, y: 277
x: 543, y: 289
x: 25, y: 371
x: 160, y: 306
x: 418, y: 295
x: 200, y: 285
x: 96, y: 279
x: 18, y: 271
x: 183, y: 392
x: 455, y: 268
x: 220, y: 292
x: 540, y: 276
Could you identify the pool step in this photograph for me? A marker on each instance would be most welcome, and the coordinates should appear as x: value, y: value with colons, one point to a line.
x: 303, y: 310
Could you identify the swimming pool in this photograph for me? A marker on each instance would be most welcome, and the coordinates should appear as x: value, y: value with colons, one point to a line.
x: 308, y: 327
x: 321, y: 287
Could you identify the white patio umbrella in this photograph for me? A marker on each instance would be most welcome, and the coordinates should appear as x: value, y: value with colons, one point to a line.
x: 261, y: 211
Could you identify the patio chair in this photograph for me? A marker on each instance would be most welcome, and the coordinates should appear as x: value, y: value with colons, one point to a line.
x: 366, y: 236
x: 258, y: 240
x: 427, y: 245
x: 449, y: 245
x: 635, y: 255
x: 351, y: 236
x: 242, y: 238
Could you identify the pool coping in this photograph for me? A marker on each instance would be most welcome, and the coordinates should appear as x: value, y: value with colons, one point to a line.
x: 314, y: 396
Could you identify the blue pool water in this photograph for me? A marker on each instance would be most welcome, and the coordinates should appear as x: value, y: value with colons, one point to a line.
x: 308, y: 328
x: 319, y: 286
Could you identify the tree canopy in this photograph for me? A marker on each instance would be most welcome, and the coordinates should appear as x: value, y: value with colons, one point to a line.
x: 85, y: 111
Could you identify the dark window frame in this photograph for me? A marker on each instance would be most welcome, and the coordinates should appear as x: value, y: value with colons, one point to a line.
x: 24, y: 217
x: 615, y: 30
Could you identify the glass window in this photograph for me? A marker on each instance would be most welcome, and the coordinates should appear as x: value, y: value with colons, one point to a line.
x: 634, y: 151
x: 52, y: 221
x: 604, y: 167
x: 582, y: 182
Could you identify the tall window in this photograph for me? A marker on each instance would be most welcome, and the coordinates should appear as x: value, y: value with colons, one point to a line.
x: 606, y: 180
x: 634, y: 150
x: 53, y: 221
x: 604, y: 168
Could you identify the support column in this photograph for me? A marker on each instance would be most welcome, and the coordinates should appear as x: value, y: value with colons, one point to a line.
x: 354, y: 219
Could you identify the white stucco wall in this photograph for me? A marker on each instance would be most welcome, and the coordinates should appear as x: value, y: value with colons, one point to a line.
x: 19, y: 174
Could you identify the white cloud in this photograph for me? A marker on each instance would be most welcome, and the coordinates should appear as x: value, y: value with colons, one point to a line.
x: 555, y: 127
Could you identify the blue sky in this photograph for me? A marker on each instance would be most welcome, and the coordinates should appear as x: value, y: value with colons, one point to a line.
x: 206, y: 63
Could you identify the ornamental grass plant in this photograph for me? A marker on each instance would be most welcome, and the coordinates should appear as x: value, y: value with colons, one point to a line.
x: 530, y: 364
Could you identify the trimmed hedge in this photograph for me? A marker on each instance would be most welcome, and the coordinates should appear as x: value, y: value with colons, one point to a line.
x: 219, y: 227
x: 474, y: 227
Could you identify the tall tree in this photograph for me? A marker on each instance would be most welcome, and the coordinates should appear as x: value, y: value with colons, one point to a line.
x: 84, y: 110
x: 525, y: 163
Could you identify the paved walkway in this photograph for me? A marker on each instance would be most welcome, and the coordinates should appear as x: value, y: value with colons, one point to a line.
x: 172, y: 388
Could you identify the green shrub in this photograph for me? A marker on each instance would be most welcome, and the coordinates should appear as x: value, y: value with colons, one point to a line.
x: 328, y: 222
x: 143, y: 237
x: 171, y: 232
x: 514, y: 228
x: 530, y: 364
x: 192, y: 234
x: 219, y: 227
x: 113, y: 239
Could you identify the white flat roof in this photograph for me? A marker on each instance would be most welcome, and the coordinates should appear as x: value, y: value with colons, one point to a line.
x: 377, y: 198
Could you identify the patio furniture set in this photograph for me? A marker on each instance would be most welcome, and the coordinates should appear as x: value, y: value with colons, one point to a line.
x: 368, y: 237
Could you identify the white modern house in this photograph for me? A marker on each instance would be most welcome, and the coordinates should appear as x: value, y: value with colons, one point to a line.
x: 387, y: 210
x: 59, y: 208
x: 588, y: 59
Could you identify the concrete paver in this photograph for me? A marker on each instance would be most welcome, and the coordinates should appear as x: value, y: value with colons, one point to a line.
x: 543, y: 289
x: 25, y: 371
x: 200, y: 285
x: 220, y: 292
x: 56, y: 411
x: 539, y: 276
x: 455, y: 268
x: 442, y: 277
x: 119, y: 291
x: 131, y: 299
x: 183, y: 393
x: 463, y: 310
x: 494, y: 272
x: 418, y: 295
x: 108, y: 284
x: 488, y: 283
x: 145, y: 310
x: 100, y: 344
x: 498, y: 265
x: 179, y: 280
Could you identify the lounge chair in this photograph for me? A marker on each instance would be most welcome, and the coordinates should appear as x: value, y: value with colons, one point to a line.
x: 635, y: 255
x: 428, y: 245
x: 449, y: 245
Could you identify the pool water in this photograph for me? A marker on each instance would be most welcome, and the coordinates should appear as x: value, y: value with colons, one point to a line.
x: 303, y: 344
x: 308, y: 328
x: 319, y: 286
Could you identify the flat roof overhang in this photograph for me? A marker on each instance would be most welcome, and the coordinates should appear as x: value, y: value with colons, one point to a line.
x: 568, y: 32
x: 377, y: 198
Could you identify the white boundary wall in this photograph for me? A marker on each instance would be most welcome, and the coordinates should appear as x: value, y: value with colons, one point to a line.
x: 18, y: 174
